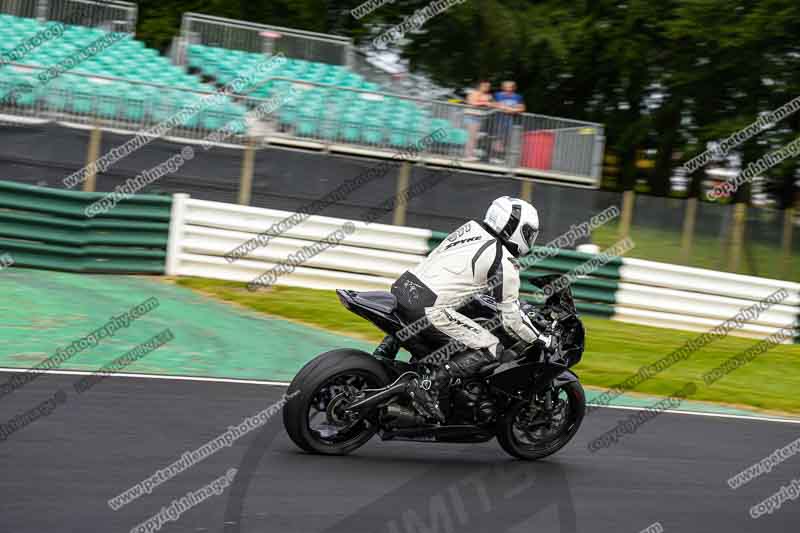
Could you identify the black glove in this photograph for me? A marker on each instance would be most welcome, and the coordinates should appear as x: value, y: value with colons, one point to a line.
x: 546, y: 342
x: 539, y: 321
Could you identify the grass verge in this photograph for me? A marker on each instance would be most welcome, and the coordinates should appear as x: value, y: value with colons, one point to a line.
x: 664, y: 245
x: 614, y: 350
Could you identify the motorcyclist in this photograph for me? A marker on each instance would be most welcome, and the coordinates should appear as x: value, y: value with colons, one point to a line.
x: 477, y: 258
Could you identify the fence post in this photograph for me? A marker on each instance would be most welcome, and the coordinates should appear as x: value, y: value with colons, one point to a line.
x: 688, y: 230
x: 41, y: 10
x: 246, y: 179
x: 177, y: 216
x: 401, y: 199
x: 737, y: 236
x: 349, y: 57
x: 133, y: 14
x: 786, y: 244
x: 92, y: 155
x: 628, y: 199
x: 597, y: 156
x: 514, y: 149
x: 526, y: 191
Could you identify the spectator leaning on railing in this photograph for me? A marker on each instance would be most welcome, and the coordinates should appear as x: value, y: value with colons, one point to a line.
x: 509, y: 103
x: 480, y: 100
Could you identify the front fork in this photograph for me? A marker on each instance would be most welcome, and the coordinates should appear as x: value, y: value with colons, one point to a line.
x: 548, y: 399
x: 540, y: 404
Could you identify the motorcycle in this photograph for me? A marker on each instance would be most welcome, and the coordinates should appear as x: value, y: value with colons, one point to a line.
x: 530, y: 399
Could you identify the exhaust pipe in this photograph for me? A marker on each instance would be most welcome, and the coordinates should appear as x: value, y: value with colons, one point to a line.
x: 379, y: 397
x: 403, y: 417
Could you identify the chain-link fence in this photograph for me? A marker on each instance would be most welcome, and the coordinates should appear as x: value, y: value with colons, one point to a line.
x: 111, y: 15
x: 752, y: 242
x: 220, y: 32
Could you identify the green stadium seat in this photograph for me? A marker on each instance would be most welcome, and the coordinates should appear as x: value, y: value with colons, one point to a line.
x: 350, y: 132
x: 134, y: 105
x: 328, y: 112
x: 398, y: 138
x: 287, y: 115
x: 107, y: 105
x: 82, y: 99
x: 56, y: 98
x: 236, y: 125
x: 328, y: 129
x: 458, y: 136
x: 372, y: 135
x: 211, y: 120
x: 307, y: 127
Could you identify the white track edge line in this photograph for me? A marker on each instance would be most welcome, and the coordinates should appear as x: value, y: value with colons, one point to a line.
x: 286, y: 384
x: 152, y: 376
x: 703, y: 413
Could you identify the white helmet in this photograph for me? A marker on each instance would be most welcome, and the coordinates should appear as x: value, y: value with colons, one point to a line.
x: 516, y: 222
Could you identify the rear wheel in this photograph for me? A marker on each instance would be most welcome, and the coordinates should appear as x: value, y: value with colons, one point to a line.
x: 315, y: 419
x: 527, y: 431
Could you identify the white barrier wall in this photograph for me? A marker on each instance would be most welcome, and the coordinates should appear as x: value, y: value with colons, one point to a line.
x: 695, y: 299
x: 374, y: 255
x: 705, y: 281
x: 369, y: 258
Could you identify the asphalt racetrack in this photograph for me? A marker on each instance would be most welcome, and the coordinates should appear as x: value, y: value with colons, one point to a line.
x: 59, y: 472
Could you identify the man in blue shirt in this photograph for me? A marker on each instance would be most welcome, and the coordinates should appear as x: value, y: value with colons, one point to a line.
x: 508, y: 103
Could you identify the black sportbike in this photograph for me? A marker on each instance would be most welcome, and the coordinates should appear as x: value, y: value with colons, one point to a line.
x: 529, y: 400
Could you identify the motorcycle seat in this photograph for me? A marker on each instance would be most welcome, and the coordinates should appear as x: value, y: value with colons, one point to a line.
x: 380, y: 301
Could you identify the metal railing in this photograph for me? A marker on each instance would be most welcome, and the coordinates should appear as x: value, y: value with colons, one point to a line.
x: 112, y: 15
x: 76, y: 104
x: 20, y: 8
x: 334, y: 118
x: 358, y: 117
x: 520, y: 142
x: 221, y: 32
x: 528, y: 142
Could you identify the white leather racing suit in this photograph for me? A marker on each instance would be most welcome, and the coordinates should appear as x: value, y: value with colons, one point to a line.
x: 470, y: 261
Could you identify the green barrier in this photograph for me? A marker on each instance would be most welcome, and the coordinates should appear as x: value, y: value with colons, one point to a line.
x: 589, y: 308
x: 139, y: 207
x: 593, y: 283
x: 797, y: 325
x: 579, y: 292
x: 560, y: 264
x: 435, y: 238
x: 47, y: 228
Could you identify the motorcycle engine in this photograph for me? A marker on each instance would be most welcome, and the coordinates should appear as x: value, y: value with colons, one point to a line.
x: 471, y: 404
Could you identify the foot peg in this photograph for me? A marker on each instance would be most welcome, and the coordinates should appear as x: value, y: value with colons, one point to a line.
x: 424, y: 399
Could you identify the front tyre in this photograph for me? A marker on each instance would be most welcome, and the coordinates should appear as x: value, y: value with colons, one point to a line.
x: 528, y: 432
x: 314, y: 418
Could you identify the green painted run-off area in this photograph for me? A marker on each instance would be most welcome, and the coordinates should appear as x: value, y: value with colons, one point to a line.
x: 44, y: 310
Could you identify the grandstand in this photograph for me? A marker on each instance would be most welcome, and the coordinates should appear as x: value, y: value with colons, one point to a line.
x: 126, y: 82
x: 329, y: 108
x: 129, y: 87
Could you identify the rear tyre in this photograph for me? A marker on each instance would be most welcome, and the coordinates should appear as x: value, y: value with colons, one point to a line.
x: 311, y: 418
x: 537, y: 437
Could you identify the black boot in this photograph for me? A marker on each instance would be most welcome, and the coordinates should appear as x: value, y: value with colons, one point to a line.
x: 425, y: 392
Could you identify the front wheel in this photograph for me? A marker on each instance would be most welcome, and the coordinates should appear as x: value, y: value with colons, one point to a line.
x: 314, y: 418
x: 527, y: 431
